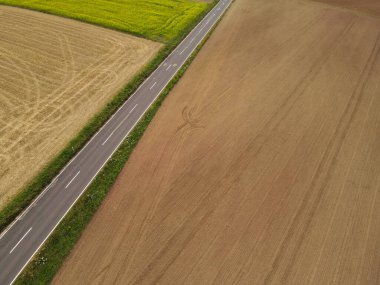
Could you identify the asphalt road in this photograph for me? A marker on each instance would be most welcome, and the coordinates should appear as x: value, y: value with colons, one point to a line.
x: 23, y: 238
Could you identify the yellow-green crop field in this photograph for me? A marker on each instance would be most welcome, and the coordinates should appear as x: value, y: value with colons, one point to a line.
x: 160, y: 20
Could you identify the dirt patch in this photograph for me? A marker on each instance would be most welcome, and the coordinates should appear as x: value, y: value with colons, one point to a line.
x: 261, y: 167
x: 371, y: 7
x: 55, y: 74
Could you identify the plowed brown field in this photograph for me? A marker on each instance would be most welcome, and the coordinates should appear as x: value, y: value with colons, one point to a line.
x: 372, y: 7
x: 55, y: 74
x: 261, y: 167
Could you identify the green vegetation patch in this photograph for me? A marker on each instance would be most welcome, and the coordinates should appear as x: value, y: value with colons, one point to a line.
x: 160, y: 20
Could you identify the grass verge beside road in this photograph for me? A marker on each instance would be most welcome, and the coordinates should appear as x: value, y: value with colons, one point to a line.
x: 160, y: 20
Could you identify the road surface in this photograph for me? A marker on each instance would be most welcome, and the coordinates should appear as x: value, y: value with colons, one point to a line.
x: 23, y: 238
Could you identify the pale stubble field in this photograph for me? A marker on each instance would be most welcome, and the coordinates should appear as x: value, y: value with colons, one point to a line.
x: 55, y: 74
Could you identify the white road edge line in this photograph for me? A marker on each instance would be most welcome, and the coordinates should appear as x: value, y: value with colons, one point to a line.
x: 14, y: 279
x: 8, y: 228
x: 20, y: 241
x: 26, y: 211
x: 72, y: 179
x: 154, y: 84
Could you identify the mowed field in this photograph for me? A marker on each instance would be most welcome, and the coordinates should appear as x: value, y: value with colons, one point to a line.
x: 160, y: 20
x: 261, y: 167
x: 55, y: 74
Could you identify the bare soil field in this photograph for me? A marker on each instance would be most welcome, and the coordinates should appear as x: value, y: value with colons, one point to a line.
x: 372, y: 7
x: 261, y: 167
x: 55, y: 74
